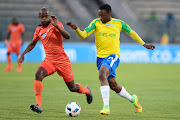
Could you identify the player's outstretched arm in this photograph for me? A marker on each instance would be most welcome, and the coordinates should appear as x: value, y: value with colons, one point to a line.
x: 28, y: 49
x: 63, y: 32
x: 81, y: 34
x: 136, y: 37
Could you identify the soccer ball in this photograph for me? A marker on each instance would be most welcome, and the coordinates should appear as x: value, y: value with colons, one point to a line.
x: 73, y: 109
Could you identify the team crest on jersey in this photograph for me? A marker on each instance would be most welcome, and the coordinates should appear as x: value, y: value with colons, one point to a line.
x: 14, y: 29
x: 107, y: 24
x: 44, y: 35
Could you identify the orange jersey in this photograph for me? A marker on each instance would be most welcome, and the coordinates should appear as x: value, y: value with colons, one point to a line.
x: 52, y: 42
x: 15, y: 32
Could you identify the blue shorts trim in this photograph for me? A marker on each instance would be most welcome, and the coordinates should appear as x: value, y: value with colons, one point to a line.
x: 111, y: 62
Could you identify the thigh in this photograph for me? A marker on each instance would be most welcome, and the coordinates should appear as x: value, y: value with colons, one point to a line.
x: 99, y: 62
x: 10, y: 48
x: 18, y: 48
x: 111, y: 62
x: 64, y: 69
x: 48, y: 66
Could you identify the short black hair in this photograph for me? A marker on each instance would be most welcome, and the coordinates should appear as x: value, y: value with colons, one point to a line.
x: 105, y: 7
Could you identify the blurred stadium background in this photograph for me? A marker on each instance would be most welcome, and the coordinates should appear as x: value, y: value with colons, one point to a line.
x: 148, y: 17
x: 157, y: 85
x: 156, y: 21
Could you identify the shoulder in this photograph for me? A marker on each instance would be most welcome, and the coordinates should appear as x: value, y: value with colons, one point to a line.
x: 10, y: 25
x: 93, y: 23
x: 117, y: 20
x: 95, y: 20
x: 20, y: 24
x: 60, y: 24
x: 38, y: 28
x: 120, y: 21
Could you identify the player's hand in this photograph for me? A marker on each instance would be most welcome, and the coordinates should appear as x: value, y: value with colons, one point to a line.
x: 21, y: 58
x: 5, y: 42
x: 152, y: 47
x: 54, y: 20
x: 72, y: 25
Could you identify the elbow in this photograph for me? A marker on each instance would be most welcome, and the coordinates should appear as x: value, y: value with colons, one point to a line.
x: 83, y: 37
x: 67, y: 37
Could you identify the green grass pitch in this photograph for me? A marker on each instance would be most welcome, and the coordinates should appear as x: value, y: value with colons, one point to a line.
x: 156, y: 85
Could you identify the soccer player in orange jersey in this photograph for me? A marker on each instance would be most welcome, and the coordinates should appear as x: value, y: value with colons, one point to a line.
x: 16, y: 32
x: 50, y: 33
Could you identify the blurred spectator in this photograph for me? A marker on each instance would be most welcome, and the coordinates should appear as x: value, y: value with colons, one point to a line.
x: 170, y: 27
x: 153, y: 31
x: 153, y: 16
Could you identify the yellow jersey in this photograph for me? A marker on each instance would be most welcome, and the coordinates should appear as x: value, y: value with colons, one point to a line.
x: 107, y: 35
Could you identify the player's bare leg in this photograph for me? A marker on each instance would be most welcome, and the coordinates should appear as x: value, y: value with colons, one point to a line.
x: 9, y: 67
x: 103, y: 75
x: 80, y: 89
x: 120, y: 90
x: 19, y: 68
x: 38, y: 87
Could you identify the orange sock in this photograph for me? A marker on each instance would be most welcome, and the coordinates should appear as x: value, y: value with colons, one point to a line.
x: 9, y: 60
x: 38, y: 87
x: 19, y: 65
x: 83, y: 90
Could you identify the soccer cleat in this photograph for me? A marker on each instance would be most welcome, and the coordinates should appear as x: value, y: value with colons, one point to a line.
x: 89, y: 97
x: 19, y: 69
x: 136, y: 104
x: 36, y: 108
x: 105, y: 110
x: 8, y: 68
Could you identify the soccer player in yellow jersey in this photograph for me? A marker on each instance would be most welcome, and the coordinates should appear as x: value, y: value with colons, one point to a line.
x: 107, y: 33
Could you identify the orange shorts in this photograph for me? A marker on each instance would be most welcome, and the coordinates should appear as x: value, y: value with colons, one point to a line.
x: 62, y: 68
x: 14, y: 48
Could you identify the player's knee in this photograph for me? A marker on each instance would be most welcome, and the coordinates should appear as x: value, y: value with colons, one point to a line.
x: 39, y: 76
x: 113, y: 87
x: 102, y: 76
x: 72, y: 89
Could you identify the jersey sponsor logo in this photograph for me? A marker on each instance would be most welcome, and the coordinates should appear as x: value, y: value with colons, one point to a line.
x: 44, y: 35
x: 107, y: 35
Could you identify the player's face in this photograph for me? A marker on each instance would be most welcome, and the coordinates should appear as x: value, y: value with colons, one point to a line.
x: 104, y: 16
x: 44, y: 18
x: 14, y: 21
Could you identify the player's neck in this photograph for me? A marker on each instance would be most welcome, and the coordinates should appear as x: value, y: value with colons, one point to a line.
x: 16, y: 24
x: 107, y: 20
x: 46, y: 25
